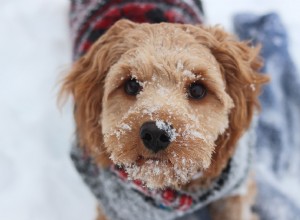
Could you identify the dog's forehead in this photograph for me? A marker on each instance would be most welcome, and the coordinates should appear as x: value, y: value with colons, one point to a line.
x: 193, y: 57
x: 173, y: 61
x: 165, y: 41
x: 168, y: 42
x: 166, y: 53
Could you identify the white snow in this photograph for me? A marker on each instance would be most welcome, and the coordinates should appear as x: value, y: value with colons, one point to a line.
x: 167, y: 128
x: 125, y: 127
x: 37, y: 179
x: 189, y: 74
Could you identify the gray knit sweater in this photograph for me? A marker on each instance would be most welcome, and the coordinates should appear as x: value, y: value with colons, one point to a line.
x: 121, y: 201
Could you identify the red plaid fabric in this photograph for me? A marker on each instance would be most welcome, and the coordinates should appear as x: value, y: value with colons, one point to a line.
x: 89, y: 19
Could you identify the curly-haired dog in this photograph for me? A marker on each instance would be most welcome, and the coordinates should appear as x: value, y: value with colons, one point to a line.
x: 162, y: 112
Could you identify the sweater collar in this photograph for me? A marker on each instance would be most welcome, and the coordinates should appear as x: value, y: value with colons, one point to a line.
x: 168, y: 198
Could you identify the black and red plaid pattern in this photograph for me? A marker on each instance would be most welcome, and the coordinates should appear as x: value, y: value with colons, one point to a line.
x: 91, y: 18
x: 168, y: 198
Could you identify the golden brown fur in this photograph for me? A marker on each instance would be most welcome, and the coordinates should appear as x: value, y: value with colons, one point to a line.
x: 165, y: 58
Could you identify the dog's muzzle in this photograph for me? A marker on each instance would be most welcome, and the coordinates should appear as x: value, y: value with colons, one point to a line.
x: 153, y: 137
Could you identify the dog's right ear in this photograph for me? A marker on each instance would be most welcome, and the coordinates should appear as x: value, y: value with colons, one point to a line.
x: 85, y: 83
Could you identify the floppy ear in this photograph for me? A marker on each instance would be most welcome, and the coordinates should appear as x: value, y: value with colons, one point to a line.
x: 85, y: 83
x: 240, y: 64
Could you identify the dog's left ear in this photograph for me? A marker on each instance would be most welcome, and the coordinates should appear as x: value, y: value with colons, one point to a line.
x: 85, y: 83
x: 240, y: 64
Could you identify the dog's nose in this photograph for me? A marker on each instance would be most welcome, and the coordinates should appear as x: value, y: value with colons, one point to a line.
x: 154, y: 138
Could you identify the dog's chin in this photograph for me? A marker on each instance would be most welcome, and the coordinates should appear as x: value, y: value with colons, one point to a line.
x: 160, y: 174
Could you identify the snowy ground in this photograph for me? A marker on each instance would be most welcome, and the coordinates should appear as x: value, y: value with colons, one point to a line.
x: 37, y: 180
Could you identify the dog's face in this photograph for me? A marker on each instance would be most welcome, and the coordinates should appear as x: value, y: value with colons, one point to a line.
x: 164, y: 101
x: 164, y: 106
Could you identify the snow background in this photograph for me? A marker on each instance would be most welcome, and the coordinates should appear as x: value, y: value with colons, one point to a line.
x: 37, y: 179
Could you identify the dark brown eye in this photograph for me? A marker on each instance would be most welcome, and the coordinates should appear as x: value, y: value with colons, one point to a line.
x: 197, y: 91
x: 132, y: 87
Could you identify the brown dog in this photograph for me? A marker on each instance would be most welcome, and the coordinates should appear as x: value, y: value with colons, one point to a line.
x: 168, y: 103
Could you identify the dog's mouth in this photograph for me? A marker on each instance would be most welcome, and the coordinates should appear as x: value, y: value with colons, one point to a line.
x: 159, y: 171
x: 154, y: 172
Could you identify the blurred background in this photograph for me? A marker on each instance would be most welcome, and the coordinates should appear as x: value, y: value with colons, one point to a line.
x: 37, y: 179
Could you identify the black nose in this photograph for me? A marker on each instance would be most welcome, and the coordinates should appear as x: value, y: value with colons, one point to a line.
x: 154, y: 138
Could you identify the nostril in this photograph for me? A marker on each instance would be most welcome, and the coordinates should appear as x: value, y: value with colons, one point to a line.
x: 147, y: 137
x: 164, y: 138
x: 154, y: 138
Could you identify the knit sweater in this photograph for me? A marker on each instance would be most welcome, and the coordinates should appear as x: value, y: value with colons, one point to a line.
x: 89, y: 19
x: 123, y: 199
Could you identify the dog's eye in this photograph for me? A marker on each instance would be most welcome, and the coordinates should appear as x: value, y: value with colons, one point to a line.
x: 197, y: 91
x: 132, y: 87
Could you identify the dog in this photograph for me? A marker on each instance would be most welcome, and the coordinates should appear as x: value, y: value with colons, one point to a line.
x: 163, y: 115
x: 163, y: 120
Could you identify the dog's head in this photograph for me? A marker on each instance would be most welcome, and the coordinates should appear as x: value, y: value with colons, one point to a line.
x: 165, y: 101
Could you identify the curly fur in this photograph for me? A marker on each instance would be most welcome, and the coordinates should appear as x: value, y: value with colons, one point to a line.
x: 165, y: 58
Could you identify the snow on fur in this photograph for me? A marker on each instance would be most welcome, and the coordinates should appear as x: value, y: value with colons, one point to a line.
x: 167, y: 128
